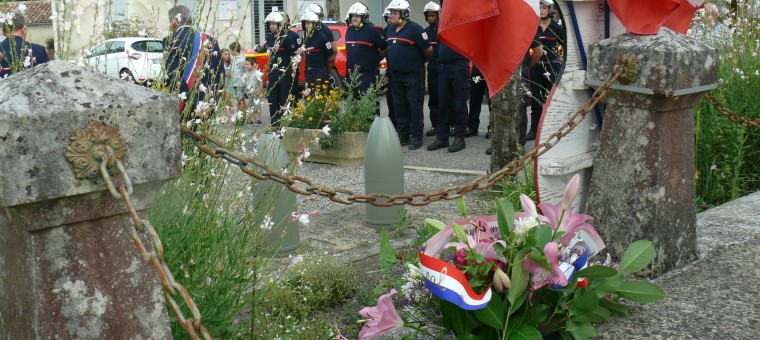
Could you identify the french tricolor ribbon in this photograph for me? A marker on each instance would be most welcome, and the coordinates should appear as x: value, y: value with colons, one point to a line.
x: 448, y: 283
x: 195, y: 61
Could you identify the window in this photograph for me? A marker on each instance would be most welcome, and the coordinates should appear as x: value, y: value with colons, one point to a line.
x: 151, y: 46
x: 99, y: 50
x: 116, y: 47
x: 119, y: 10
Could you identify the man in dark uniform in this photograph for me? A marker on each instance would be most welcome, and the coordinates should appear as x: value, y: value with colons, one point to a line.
x: 542, y: 76
x: 432, y: 13
x: 453, y: 87
x: 365, y: 47
x: 478, y: 90
x: 192, y: 58
x: 408, y: 49
x: 317, y: 9
x: 317, y: 48
x: 282, y: 44
x: 15, y: 52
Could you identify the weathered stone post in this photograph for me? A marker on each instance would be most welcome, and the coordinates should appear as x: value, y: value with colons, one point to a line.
x: 68, y: 266
x: 507, y: 112
x: 642, y: 186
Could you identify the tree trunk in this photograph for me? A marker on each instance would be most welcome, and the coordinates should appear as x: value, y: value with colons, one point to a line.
x: 507, y: 111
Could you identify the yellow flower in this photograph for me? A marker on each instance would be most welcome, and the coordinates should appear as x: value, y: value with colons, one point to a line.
x: 311, y: 118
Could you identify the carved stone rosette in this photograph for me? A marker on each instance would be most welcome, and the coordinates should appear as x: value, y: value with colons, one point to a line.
x: 92, y: 144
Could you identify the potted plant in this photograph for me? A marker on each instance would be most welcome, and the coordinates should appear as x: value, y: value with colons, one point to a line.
x: 518, y: 275
x: 50, y: 48
x: 346, y: 119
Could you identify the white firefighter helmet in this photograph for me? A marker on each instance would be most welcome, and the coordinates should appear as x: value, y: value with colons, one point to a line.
x: 312, y: 18
x: 358, y: 9
x: 316, y: 9
x: 432, y: 7
x: 401, y: 6
x: 275, y: 17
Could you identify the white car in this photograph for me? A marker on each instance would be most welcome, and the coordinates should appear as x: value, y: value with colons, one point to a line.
x: 133, y: 59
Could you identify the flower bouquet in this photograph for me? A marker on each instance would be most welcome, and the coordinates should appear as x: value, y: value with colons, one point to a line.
x: 516, y: 275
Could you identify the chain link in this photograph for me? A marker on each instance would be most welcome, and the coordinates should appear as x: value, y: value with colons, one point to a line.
x: 744, y: 121
x: 156, y: 257
x: 214, y: 148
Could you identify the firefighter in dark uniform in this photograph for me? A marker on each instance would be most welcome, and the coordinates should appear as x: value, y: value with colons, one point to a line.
x: 317, y: 9
x: 317, y: 49
x: 408, y: 49
x: 453, y: 87
x: 542, y: 76
x: 478, y: 90
x: 365, y: 47
x: 282, y: 44
x: 432, y: 13
x: 388, y: 93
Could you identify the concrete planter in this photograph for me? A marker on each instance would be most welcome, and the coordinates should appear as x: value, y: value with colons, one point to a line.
x: 348, y: 151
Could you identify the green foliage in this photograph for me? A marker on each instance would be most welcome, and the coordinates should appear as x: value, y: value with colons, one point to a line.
x: 129, y: 27
x: 637, y: 256
x: 405, y: 220
x: 387, y: 254
x: 322, y: 281
x: 319, y: 108
x: 727, y: 155
x: 357, y: 112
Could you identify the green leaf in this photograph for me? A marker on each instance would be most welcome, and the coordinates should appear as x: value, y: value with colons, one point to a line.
x: 617, y: 308
x: 525, y: 332
x: 607, y: 285
x: 519, y: 302
x: 505, y: 214
x: 489, y: 333
x: 581, y: 330
x: 462, y: 207
x: 536, y: 315
x: 637, y: 256
x: 438, y: 225
x: 456, y: 319
x: 493, y: 314
x: 597, y: 272
x: 519, y: 278
x: 543, y: 235
x: 584, y: 303
x: 540, y: 259
x: 599, y: 314
x: 387, y: 254
x: 459, y: 232
x: 640, y: 291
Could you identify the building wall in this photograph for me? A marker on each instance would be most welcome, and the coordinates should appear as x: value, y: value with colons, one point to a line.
x: 39, y: 33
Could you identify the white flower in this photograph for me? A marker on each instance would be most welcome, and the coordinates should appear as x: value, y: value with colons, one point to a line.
x: 22, y: 7
x: 306, y: 153
x: 202, y: 88
x: 522, y: 225
x: 142, y: 33
x: 27, y: 62
x: 183, y: 159
x: 182, y: 96
x: 267, y: 223
x: 326, y: 130
x: 303, y: 219
x: 476, y: 79
x: 547, y: 75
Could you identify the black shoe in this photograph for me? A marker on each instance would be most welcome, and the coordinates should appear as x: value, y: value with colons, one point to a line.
x: 451, y: 132
x: 431, y: 132
x: 438, y: 144
x: 489, y: 151
x: 404, y: 141
x: 488, y: 134
x: 471, y: 133
x: 530, y: 136
x: 458, y: 145
x: 415, y: 144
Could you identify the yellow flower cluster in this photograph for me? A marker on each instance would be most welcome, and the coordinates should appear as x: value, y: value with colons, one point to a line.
x: 316, y: 108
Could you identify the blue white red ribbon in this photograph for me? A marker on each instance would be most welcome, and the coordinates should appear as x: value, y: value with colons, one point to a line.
x: 448, y: 283
x: 196, y: 59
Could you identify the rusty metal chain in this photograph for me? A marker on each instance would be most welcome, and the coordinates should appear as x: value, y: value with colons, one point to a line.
x: 214, y: 148
x: 156, y: 257
x: 744, y: 121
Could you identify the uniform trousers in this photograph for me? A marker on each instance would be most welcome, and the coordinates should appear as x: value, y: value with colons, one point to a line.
x: 408, y: 98
x: 453, y: 88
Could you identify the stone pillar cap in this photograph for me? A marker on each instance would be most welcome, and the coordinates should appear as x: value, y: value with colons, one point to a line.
x: 44, y: 106
x: 670, y: 63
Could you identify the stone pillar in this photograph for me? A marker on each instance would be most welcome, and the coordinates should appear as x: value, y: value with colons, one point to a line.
x: 68, y: 266
x: 642, y: 185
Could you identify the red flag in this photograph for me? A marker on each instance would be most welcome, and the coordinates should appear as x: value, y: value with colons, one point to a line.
x: 643, y: 16
x: 493, y: 34
x: 680, y: 19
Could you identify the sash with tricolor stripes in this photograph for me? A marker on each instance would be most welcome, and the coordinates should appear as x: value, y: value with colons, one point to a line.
x: 195, y: 63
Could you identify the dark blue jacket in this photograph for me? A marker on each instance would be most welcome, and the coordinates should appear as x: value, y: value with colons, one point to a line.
x: 179, y: 46
x: 318, y: 50
x: 288, y: 43
x: 12, y: 58
x: 432, y: 34
x: 406, y: 48
x: 363, y: 46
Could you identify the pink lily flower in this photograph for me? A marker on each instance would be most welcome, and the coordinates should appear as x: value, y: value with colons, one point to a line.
x: 541, y: 276
x: 571, y: 223
x: 481, y: 237
x: 382, y: 319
